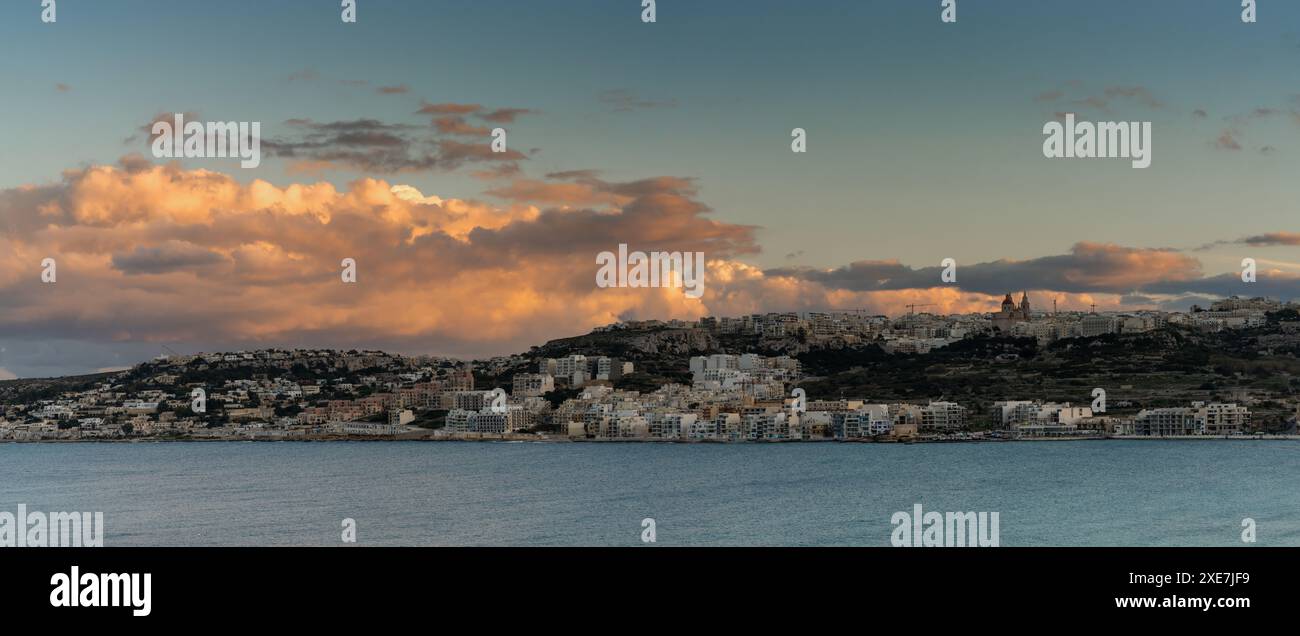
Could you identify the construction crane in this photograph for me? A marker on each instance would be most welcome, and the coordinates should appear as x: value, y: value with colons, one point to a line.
x: 911, y: 309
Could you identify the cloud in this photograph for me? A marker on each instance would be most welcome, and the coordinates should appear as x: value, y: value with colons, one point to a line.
x: 1102, y: 101
x: 304, y: 75
x: 170, y: 256
x: 1228, y: 140
x: 146, y: 131
x: 622, y: 100
x: 1135, y: 300
x: 1088, y: 268
x: 454, y: 153
x: 373, y: 146
x: 400, y: 89
x: 455, y: 125
x: 202, y: 261
x: 365, y: 144
x: 1258, y: 113
x: 1271, y: 239
x: 498, y: 172
x: 1270, y: 283
x: 1231, y: 137
x: 579, y: 188
x: 505, y: 115
x: 1139, y: 94
x: 199, y: 259
x: 454, y: 113
x: 449, y: 109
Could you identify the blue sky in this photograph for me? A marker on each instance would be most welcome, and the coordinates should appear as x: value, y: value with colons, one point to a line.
x: 909, y: 118
x: 924, y: 137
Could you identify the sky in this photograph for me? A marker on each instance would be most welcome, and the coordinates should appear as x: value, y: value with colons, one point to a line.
x: 923, y: 143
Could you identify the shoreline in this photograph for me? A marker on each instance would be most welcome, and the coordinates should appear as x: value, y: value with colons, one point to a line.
x: 568, y: 440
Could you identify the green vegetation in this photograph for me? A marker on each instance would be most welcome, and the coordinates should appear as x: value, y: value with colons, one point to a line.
x: 1167, y: 367
x: 558, y: 396
x: 433, y: 419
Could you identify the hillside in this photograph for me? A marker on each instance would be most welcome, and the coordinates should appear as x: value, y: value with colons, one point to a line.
x: 24, y: 390
x: 1167, y: 367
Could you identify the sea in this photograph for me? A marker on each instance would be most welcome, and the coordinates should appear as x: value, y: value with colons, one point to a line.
x: 1058, y: 493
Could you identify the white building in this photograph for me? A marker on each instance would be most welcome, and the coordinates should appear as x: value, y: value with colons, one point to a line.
x: 1040, y: 419
x: 532, y: 384
x: 1200, y: 419
x: 867, y: 421
x: 572, y: 368
x: 943, y: 416
x: 1096, y: 325
x: 764, y: 426
x: 1166, y: 421
x: 1222, y: 419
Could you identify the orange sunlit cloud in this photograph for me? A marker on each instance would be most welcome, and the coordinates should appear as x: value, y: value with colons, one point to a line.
x: 160, y: 253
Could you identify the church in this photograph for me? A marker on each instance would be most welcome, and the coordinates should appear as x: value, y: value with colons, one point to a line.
x: 1011, y: 314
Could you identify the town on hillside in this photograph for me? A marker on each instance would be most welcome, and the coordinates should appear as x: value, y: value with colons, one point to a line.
x: 1232, y: 370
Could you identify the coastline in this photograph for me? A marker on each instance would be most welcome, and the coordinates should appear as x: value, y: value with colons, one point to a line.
x: 568, y: 440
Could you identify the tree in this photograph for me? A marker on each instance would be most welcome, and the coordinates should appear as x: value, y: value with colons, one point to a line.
x: 1283, y: 315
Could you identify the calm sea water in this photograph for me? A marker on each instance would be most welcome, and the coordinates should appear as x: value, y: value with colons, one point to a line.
x: 1126, y: 493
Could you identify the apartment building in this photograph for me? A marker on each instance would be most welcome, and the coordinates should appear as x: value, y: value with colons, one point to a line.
x: 532, y: 384
x: 1200, y: 419
x: 943, y: 416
